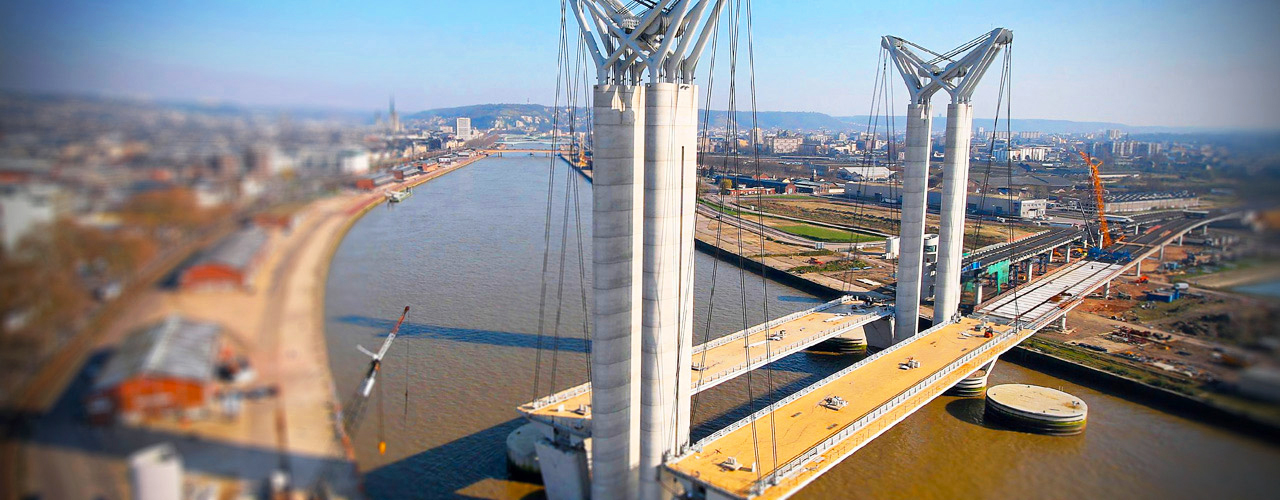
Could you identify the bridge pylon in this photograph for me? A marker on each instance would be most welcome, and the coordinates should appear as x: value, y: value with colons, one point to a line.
x: 645, y: 164
x: 958, y: 75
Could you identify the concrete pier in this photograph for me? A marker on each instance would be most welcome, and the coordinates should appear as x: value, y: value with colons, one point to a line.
x: 1037, y: 409
x: 975, y: 383
x: 955, y: 182
x: 616, y: 264
x: 911, y: 257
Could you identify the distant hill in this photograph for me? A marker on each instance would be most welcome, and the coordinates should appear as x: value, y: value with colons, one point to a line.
x: 485, y: 115
x: 1030, y: 125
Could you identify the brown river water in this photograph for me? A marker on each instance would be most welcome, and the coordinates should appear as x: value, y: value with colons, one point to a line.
x: 466, y: 252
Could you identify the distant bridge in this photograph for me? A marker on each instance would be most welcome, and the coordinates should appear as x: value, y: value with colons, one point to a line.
x: 501, y: 151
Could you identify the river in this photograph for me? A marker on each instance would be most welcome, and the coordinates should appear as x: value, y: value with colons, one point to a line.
x: 466, y: 252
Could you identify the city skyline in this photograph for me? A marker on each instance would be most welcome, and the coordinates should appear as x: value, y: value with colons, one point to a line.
x: 1126, y: 64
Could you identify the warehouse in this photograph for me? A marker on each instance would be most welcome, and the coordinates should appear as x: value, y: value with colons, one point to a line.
x: 231, y: 263
x: 165, y: 369
x: 1141, y: 202
x: 371, y: 181
x: 990, y: 204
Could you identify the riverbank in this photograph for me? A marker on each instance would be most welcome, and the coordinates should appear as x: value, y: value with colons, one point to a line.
x: 277, y: 322
x: 1160, y: 398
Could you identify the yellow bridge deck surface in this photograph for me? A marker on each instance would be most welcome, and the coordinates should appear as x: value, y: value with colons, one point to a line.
x: 717, y: 360
x: 804, y: 423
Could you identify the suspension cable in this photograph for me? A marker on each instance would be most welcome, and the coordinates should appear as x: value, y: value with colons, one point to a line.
x: 715, y: 262
x: 735, y: 16
x: 561, y: 56
x: 764, y: 270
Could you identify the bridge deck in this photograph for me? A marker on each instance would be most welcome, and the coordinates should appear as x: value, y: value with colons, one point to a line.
x: 1045, y: 296
x: 1022, y: 249
x: 725, y: 358
x: 812, y: 438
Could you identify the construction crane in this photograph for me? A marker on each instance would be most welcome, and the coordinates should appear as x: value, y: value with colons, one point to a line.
x: 1103, y: 233
x: 355, y: 406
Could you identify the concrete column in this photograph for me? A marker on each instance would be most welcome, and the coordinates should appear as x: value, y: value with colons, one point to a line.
x: 616, y: 259
x: 977, y: 295
x: 1031, y: 270
x: 667, y: 341
x: 1106, y: 290
x: 1180, y: 239
x: 1137, y: 268
x: 955, y: 181
x: 1062, y: 325
x: 1161, y: 258
x: 911, y: 253
x: 974, y: 384
x: 1067, y: 256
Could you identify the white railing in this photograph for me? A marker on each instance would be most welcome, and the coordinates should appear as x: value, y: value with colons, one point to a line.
x: 573, y: 392
x: 770, y: 324
x: 795, y: 464
x: 768, y: 357
x: 564, y: 395
x: 813, y: 387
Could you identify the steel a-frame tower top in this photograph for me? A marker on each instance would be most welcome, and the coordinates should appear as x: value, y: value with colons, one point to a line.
x: 924, y: 78
x: 666, y: 38
x: 959, y: 77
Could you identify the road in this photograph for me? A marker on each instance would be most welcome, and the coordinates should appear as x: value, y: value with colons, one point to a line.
x: 1023, y: 248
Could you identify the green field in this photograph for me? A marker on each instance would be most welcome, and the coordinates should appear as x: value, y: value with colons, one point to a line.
x: 825, y: 234
x: 816, y: 233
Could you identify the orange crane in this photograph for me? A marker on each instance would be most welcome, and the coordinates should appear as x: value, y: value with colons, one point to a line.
x: 1097, y: 198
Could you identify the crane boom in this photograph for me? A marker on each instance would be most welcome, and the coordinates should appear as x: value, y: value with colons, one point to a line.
x: 1099, y: 201
x: 355, y: 407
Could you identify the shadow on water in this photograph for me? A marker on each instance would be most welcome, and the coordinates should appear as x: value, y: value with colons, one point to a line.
x: 968, y: 410
x: 972, y: 411
x: 470, y: 335
x: 509, y: 339
x: 443, y: 471
x: 799, y: 299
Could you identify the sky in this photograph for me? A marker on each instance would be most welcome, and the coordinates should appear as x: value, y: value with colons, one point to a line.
x: 1151, y: 63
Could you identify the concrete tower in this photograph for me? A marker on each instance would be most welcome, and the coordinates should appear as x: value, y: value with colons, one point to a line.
x: 394, y: 122
x: 644, y: 201
x: 961, y: 77
x: 923, y: 78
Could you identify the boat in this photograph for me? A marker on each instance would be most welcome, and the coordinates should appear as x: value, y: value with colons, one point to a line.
x: 397, y: 196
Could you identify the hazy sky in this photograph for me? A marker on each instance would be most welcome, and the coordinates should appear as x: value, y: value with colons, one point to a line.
x: 1179, y: 63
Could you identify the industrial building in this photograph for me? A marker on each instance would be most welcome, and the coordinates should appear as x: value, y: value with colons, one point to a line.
x: 1140, y: 202
x: 164, y: 369
x: 865, y: 173
x: 231, y: 263
x: 371, y: 181
x: 778, y: 186
x: 818, y: 188
x: 406, y: 171
x: 990, y: 204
